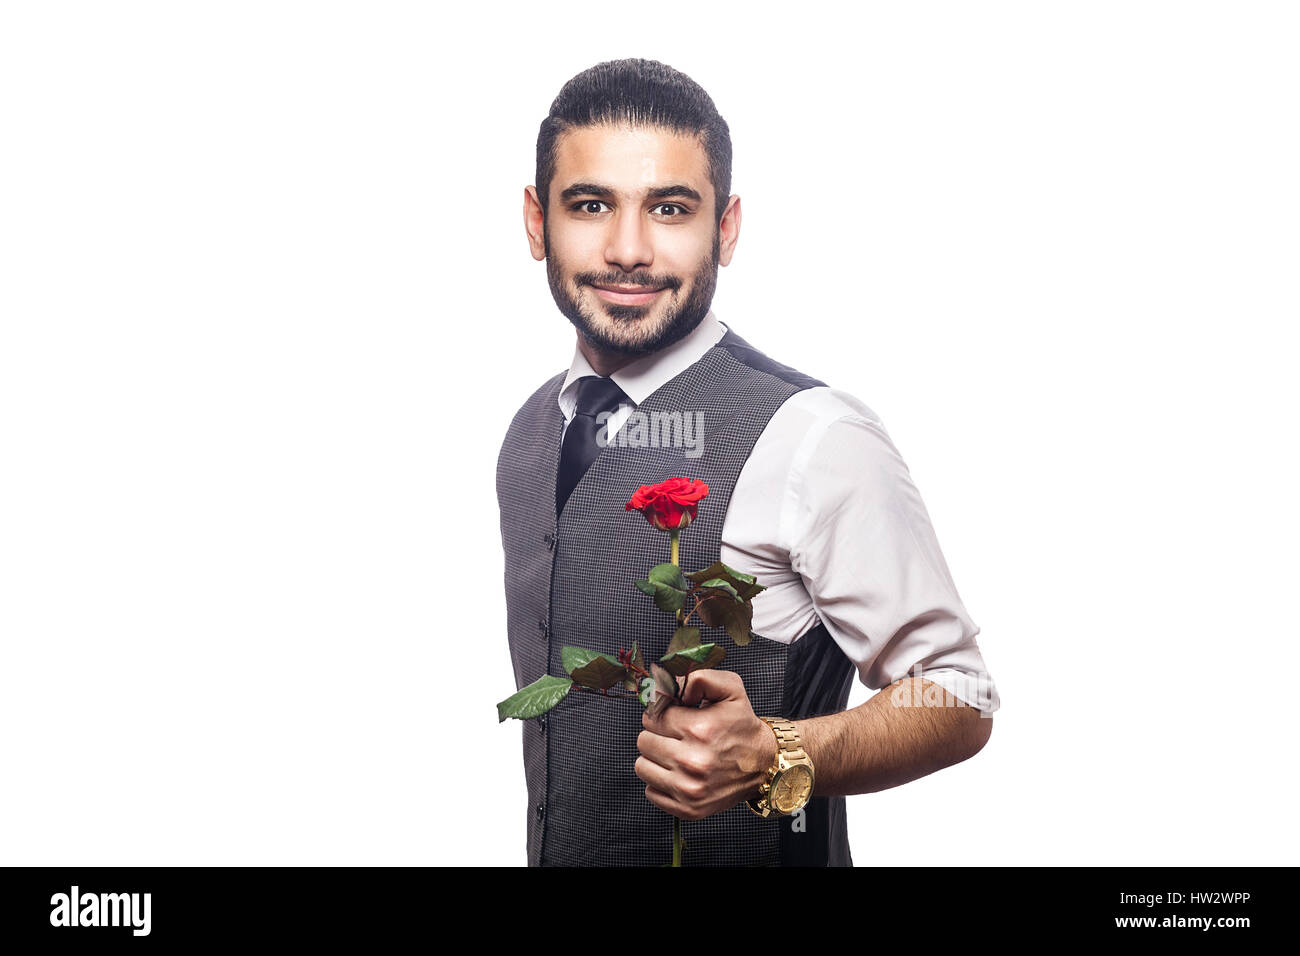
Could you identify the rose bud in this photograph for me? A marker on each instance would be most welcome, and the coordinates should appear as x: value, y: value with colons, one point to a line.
x: 670, y: 505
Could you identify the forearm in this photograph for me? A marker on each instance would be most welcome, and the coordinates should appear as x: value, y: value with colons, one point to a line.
x: 902, y: 733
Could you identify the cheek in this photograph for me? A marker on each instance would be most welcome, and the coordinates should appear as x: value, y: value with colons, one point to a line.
x: 684, y: 252
x: 577, y: 249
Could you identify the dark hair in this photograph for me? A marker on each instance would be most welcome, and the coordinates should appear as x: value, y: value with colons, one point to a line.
x: 644, y: 93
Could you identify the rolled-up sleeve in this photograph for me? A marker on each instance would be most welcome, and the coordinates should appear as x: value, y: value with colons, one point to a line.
x: 862, y: 541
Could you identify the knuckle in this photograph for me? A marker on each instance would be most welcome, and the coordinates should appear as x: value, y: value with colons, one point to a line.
x: 698, y: 726
x: 695, y: 764
x: 707, y: 730
x: 691, y: 790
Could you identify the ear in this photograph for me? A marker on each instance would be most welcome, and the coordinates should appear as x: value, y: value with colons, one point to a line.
x: 534, y: 223
x: 729, y: 230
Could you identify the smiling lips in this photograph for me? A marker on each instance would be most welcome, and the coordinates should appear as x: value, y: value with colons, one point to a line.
x: 626, y: 294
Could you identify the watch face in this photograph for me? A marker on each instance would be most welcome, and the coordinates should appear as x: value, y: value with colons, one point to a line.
x: 791, y: 789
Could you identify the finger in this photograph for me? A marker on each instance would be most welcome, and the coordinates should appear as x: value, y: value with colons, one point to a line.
x: 655, y: 776
x: 667, y: 724
x: 713, y: 685
x: 667, y: 804
x: 662, y: 750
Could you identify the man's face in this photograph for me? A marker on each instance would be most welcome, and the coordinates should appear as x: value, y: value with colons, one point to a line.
x: 630, y: 237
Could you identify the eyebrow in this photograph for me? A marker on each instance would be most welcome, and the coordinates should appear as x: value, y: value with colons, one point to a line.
x: 604, y: 192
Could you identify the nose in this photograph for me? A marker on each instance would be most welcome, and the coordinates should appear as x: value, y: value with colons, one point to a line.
x: 629, y: 242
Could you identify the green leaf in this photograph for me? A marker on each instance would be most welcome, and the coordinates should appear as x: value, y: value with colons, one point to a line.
x: 684, y: 637
x: 574, y: 657
x: 746, y: 585
x: 738, y: 625
x: 721, y: 585
x: 670, y: 600
x: 600, y: 673
x: 592, y: 668
x: 668, y: 586
x: 668, y: 574
x: 637, y: 659
x: 719, y: 569
x: 667, y: 598
x: 717, y: 608
x: 535, y: 699
x: 683, y: 662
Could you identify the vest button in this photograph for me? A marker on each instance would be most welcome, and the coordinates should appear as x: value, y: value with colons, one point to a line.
x: 550, y: 541
x: 541, y: 722
x: 543, y: 626
x: 541, y: 810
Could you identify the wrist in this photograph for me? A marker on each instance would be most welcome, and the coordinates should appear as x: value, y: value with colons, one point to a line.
x: 790, y: 780
x: 766, y: 749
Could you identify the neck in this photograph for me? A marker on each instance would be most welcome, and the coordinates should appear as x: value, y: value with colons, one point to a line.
x: 602, y: 362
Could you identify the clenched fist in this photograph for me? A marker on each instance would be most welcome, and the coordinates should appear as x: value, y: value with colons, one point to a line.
x: 708, y: 755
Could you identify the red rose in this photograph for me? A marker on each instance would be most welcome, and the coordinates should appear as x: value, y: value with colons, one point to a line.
x: 669, y: 505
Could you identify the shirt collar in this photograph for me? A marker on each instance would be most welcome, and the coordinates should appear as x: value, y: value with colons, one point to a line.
x: 641, y: 378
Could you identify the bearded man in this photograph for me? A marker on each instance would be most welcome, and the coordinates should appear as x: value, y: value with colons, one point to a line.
x: 633, y: 214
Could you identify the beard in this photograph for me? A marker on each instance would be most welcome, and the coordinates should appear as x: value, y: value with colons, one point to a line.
x: 628, y: 330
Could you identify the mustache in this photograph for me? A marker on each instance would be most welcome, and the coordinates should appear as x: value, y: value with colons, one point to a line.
x: 643, y: 280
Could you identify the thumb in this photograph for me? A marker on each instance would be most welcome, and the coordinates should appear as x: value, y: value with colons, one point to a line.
x: 712, y: 685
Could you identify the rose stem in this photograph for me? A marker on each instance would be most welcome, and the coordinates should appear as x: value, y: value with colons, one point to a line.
x: 673, y: 535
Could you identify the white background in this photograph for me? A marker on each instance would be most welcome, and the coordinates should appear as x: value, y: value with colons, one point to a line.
x: 268, y: 309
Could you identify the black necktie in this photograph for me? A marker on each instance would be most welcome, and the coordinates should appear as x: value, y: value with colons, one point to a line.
x: 595, y: 395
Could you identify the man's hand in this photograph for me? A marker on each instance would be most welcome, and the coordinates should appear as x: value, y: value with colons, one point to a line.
x: 708, y: 755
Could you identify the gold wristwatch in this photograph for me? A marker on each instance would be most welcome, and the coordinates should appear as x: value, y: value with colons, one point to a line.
x: 790, y: 780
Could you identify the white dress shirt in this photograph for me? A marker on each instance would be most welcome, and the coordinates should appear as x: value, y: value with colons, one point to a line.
x: 825, y: 514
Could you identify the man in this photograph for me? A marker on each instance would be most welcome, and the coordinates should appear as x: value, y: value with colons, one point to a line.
x: 633, y: 215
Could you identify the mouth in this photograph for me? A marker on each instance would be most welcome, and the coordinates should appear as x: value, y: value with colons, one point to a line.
x: 627, y: 294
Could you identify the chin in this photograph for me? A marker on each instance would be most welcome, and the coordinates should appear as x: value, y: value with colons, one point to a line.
x: 610, y: 341
x: 614, y: 336
x: 627, y: 324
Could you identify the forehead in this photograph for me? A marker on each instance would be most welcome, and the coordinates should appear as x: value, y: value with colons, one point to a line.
x: 630, y: 157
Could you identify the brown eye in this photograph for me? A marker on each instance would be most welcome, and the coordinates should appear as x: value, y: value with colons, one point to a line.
x: 591, y: 206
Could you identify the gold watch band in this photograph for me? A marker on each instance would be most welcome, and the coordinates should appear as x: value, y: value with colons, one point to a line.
x: 789, y: 754
x: 788, y: 740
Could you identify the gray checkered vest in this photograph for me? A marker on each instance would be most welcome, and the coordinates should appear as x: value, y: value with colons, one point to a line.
x: 571, y: 582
